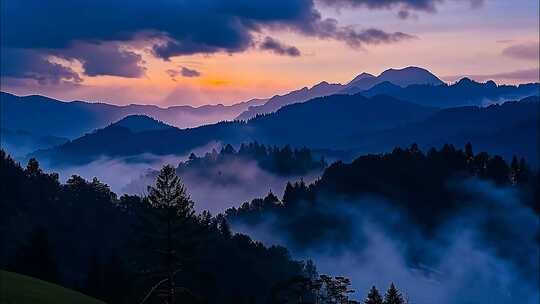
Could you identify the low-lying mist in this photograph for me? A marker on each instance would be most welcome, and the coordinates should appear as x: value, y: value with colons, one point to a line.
x: 229, y: 184
x: 487, y: 253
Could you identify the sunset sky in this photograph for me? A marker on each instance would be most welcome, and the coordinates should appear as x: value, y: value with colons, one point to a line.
x: 173, y: 52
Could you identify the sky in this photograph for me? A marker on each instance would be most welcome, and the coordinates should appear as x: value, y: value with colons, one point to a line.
x: 179, y: 52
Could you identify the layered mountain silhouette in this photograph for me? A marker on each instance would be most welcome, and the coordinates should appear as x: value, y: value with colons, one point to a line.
x: 318, y: 123
x: 508, y: 129
x: 364, y: 81
x: 346, y: 122
x: 19, y: 143
x: 46, y: 116
x: 464, y: 92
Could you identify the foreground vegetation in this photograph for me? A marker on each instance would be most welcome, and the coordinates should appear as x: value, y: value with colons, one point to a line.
x: 82, y: 236
x: 21, y: 289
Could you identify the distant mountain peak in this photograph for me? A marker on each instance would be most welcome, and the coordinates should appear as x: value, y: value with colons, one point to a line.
x: 409, y: 75
x: 465, y: 80
x: 400, y: 77
x: 359, y: 77
x: 322, y: 83
x: 140, y: 123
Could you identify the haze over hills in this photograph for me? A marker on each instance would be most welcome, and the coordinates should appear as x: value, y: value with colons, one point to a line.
x: 318, y: 123
x: 46, y: 116
x: 275, y: 103
x: 508, y: 129
x: 42, y: 122
x: 19, y: 143
x: 343, y: 122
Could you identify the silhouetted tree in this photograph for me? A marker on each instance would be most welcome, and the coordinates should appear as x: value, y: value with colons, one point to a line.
x: 167, y: 224
x: 373, y: 297
x: 32, y: 168
x: 335, y: 290
x: 393, y: 296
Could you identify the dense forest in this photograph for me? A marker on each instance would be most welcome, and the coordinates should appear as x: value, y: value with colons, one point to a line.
x: 424, y: 203
x: 82, y: 236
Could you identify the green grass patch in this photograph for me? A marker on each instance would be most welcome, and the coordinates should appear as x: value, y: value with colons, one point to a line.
x: 20, y: 289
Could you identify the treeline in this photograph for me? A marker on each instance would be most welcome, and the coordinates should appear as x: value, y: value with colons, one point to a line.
x: 313, y: 288
x: 426, y: 189
x: 283, y: 161
x: 82, y: 236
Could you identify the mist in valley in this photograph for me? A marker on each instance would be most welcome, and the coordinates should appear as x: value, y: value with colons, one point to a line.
x: 227, y: 185
x: 485, y: 253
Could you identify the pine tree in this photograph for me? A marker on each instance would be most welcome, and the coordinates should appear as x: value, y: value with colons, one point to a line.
x: 373, y: 297
x: 393, y: 296
x: 167, y: 225
x: 32, y: 168
x: 288, y: 194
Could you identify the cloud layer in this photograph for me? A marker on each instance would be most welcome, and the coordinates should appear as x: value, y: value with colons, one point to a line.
x: 101, y: 35
x: 524, y: 51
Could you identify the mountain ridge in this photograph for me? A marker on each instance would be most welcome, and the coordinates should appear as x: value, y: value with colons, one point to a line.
x: 332, y: 122
x: 363, y: 81
x: 48, y: 116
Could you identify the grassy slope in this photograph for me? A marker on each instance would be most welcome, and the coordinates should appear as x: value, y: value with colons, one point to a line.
x: 21, y: 289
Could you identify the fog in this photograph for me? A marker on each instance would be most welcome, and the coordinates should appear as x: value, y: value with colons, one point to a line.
x: 462, y: 261
x: 229, y: 184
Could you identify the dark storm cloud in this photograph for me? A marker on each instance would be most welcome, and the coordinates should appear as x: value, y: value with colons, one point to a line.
x: 523, y: 51
x: 187, y: 27
x: 271, y: 44
x: 28, y: 64
x: 97, y: 32
x: 419, y: 5
x: 106, y: 59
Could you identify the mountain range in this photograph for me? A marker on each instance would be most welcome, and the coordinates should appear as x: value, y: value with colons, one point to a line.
x: 463, y: 92
x: 509, y: 128
x: 399, y: 77
x: 346, y: 122
x: 325, y: 116
x: 46, y: 116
